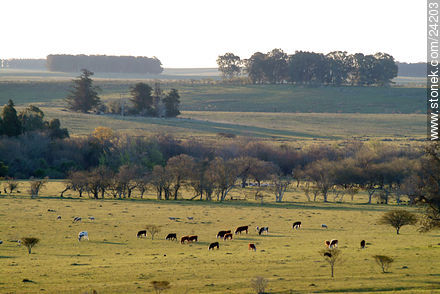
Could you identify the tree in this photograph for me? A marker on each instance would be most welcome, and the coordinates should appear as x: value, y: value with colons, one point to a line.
x: 428, y: 187
x: 280, y: 184
x: 321, y: 172
x: 398, y: 218
x: 276, y: 66
x: 229, y: 65
x: 153, y: 230
x: 32, y: 119
x: 255, y: 67
x: 172, y: 102
x: 332, y: 256
x: 383, y: 261
x: 29, y: 242
x: 223, y: 174
x: 161, y: 181
x: 179, y: 168
x: 142, y: 98
x: 36, y: 186
x: 259, y: 285
x: 384, y: 69
x: 84, y: 96
x: 11, y: 125
x: 55, y: 130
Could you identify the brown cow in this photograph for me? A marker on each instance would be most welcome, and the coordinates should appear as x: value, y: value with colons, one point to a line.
x: 327, y: 244
x: 227, y: 236
x: 183, y: 239
x: 241, y: 229
x: 221, y: 234
x: 252, y: 247
x: 192, y: 238
x: 214, y: 245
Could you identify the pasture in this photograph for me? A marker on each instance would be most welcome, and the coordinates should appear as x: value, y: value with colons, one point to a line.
x: 114, y: 260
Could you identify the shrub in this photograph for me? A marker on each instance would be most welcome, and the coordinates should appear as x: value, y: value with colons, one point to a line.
x: 383, y: 261
x: 398, y: 218
x: 159, y: 286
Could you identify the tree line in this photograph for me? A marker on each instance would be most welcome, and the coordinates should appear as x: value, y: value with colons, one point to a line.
x: 104, y: 63
x: 144, y: 100
x: 309, y: 68
x: 23, y: 63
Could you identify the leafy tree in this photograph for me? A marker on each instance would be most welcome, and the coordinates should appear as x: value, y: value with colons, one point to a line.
x: 32, y: 119
x: 229, y: 65
x: 84, y: 96
x: 398, y: 218
x: 3, y: 169
x: 142, y: 98
x: 171, y: 102
x: 55, y: 130
x: 338, y: 68
x: 255, y: 67
x: 307, y: 68
x: 384, y: 69
x: 428, y: 187
x: 11, y: 124
x: 30, y: 242
x: 276, y: 67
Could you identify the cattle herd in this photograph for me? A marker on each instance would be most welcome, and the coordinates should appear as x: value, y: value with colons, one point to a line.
x: 223, y: 234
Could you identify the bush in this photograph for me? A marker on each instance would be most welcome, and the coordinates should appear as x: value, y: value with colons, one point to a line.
x: 383, y: 261
x: 159, y: 286
x: 398, y: 218
x: 30, y: 242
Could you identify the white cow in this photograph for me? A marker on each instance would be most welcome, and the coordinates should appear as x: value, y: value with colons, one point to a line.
x: 84, y: 235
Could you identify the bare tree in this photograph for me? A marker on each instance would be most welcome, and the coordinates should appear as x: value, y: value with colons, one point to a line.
x: 259, y: 285
x: 223, y: 174
x: 279, y: 185
x: 153, y: 230
x: 383, y: 261
x: 332, y: 256
x: 36, y: 186
x: 321, y: 174
x: 179, y: 168
x: 10, y: 186
x: 161, y: 181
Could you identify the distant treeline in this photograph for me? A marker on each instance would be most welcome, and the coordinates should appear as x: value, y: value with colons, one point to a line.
x: 310, y: 68
x: 412, y: 69
x: 104, y: 63
x: 23, y: 63
x: 95, y: 63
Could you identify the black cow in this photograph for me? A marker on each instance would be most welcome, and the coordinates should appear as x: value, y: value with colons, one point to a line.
x: 363, y: 244
x: 241, y: 229
x: 142, y: 233
x: 171, y: 236
x: 214, y: 245
x: 221, y: 234
x: 296, y: 225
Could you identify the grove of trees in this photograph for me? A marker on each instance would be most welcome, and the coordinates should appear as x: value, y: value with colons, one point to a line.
x: 310, y: 68
x: 104, y: 63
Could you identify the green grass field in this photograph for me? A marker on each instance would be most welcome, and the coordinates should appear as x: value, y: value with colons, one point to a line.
x: 115, y: 261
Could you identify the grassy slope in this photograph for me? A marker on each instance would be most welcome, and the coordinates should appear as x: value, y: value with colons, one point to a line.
x: 115, y: 261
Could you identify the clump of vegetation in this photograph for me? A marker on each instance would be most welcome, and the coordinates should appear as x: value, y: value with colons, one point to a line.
x: 153, y: 230
x: 36, y: 186
x: 332, y: 256
x: 10, y: 186
x: 160, y: 286
x: 383, y: 261
x: 259, y: 285
x: 398, y: 218
x: 30, y: 242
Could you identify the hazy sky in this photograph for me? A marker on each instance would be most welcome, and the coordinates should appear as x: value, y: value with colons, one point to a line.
x: 190, y: 33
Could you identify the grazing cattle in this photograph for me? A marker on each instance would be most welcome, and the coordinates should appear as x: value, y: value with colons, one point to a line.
x: 327, y: 244
x: 241, y: 229
x: 141, y: 233
x: 296, y: 225
x: 214, y: 245
x: 227, y: 236
x: 221, y: 234
x: 190, y: 217
x: 324, y: 226
x: 183, y: 239
x: 76, y: 219
x: 1, y: 242
x: 59, y: 217
x: 84, y: 235
x: 171, y: 236
x: 51, y: 210
x: 328, y: 254
x: 252, y: 247
x: 192, y: 238
x: 91, y: 218
x: 363, y: 244
x: 333, y: 243
x: 262, y: 229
